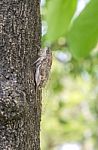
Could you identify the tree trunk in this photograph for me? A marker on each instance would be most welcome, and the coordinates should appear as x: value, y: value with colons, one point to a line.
x: 20, y: 103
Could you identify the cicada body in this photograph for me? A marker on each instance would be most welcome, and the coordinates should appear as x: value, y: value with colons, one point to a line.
x: 43, y: 66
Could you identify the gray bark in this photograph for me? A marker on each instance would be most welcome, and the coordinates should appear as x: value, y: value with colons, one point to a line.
x: 20, y: 103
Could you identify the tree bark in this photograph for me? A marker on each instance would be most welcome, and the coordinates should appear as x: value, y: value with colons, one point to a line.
x: 20, y: 103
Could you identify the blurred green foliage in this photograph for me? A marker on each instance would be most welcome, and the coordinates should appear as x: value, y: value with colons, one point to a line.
x: 70, y: 105
x: 81, y: 32
x: 59, y: 15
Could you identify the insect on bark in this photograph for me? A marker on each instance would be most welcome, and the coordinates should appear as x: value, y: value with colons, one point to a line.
x: 43, y: 66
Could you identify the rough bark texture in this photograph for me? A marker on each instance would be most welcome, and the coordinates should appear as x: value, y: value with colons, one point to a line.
x: 20, y: 104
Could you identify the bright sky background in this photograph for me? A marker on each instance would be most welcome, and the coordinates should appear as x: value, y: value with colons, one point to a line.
x: 81, y: 5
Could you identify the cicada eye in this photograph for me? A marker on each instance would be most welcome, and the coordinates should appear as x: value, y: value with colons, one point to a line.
x: 48, y: 50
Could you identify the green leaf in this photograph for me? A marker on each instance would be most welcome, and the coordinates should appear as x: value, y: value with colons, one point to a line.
x: 59, y: 15
x: 83, y: 34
